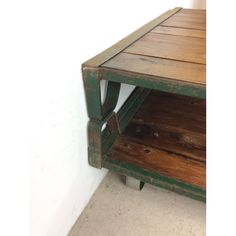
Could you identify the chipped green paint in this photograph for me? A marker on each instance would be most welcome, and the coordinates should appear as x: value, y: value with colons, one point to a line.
x: 150, y: 82
x: 154, y: 178
x: 98, y: 113
x: 131, y: 106
x: 95, y: 143
x: 100, y: 141
x: 97, y: 110
x: 92, y: 88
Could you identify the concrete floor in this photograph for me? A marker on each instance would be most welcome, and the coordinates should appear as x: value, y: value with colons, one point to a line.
x: 117, y: 210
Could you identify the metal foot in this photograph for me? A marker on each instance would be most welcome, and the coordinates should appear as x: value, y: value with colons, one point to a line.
x: 134, y: 183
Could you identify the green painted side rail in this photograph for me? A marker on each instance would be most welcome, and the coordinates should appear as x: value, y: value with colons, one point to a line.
x: 151, y: 82
x: 155, y: 179
x: 131, y: 106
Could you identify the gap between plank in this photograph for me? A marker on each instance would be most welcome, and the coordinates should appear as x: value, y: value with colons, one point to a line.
x: 166, y: 58
x: 178, y: 35
x: 163, y: 24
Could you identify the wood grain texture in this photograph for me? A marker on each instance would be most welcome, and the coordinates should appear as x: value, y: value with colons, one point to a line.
x: 122, y: 44
x: 182, y: 112
x: 173, y: 123
x: 186, y: 18
x: 180, y: 31
x: 162, y: 162
x: 174, y: 47
x: 176, y: 70
x: 182, y: 142
x: 168, y: 136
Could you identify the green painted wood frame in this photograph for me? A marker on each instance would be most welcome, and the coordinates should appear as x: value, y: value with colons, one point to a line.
x: 105, y: 125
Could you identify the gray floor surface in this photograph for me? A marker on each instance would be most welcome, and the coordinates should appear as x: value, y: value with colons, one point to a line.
x: 117, y: 210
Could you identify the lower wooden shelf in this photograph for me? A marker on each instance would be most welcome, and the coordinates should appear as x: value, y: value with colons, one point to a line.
x: 165, y: 144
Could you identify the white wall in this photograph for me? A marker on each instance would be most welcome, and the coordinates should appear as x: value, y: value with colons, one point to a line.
x: 65, y: 34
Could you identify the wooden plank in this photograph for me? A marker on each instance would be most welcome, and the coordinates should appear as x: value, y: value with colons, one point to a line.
x: 180, y: 31
x: 175, y: 70
x: 121, y: 45
x: 170, y: 47
x: 171, y: 122
x: 166, y: 164
x: 192, y: 19
x: 182, y: 142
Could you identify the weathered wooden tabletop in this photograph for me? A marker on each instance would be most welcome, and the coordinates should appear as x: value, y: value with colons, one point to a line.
x: 172, y: 46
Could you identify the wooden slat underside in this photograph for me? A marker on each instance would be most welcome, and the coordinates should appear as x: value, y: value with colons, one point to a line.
x: 171, y: 50
x: 167, y: 136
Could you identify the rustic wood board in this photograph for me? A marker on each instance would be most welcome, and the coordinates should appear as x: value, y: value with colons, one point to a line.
x: 167, y: 136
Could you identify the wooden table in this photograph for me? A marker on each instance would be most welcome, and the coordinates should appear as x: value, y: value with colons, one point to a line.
x: 159, y: 135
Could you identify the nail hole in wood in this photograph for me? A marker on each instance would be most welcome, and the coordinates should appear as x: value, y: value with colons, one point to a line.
x: 147, y: 150
x: 127, y: 145
x: 156, y: 134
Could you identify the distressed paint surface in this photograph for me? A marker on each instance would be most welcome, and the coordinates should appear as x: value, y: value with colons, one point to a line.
x: 155, y: 179
x: 150, y: 82
x: 99, y: 114
x: 123, y: 117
